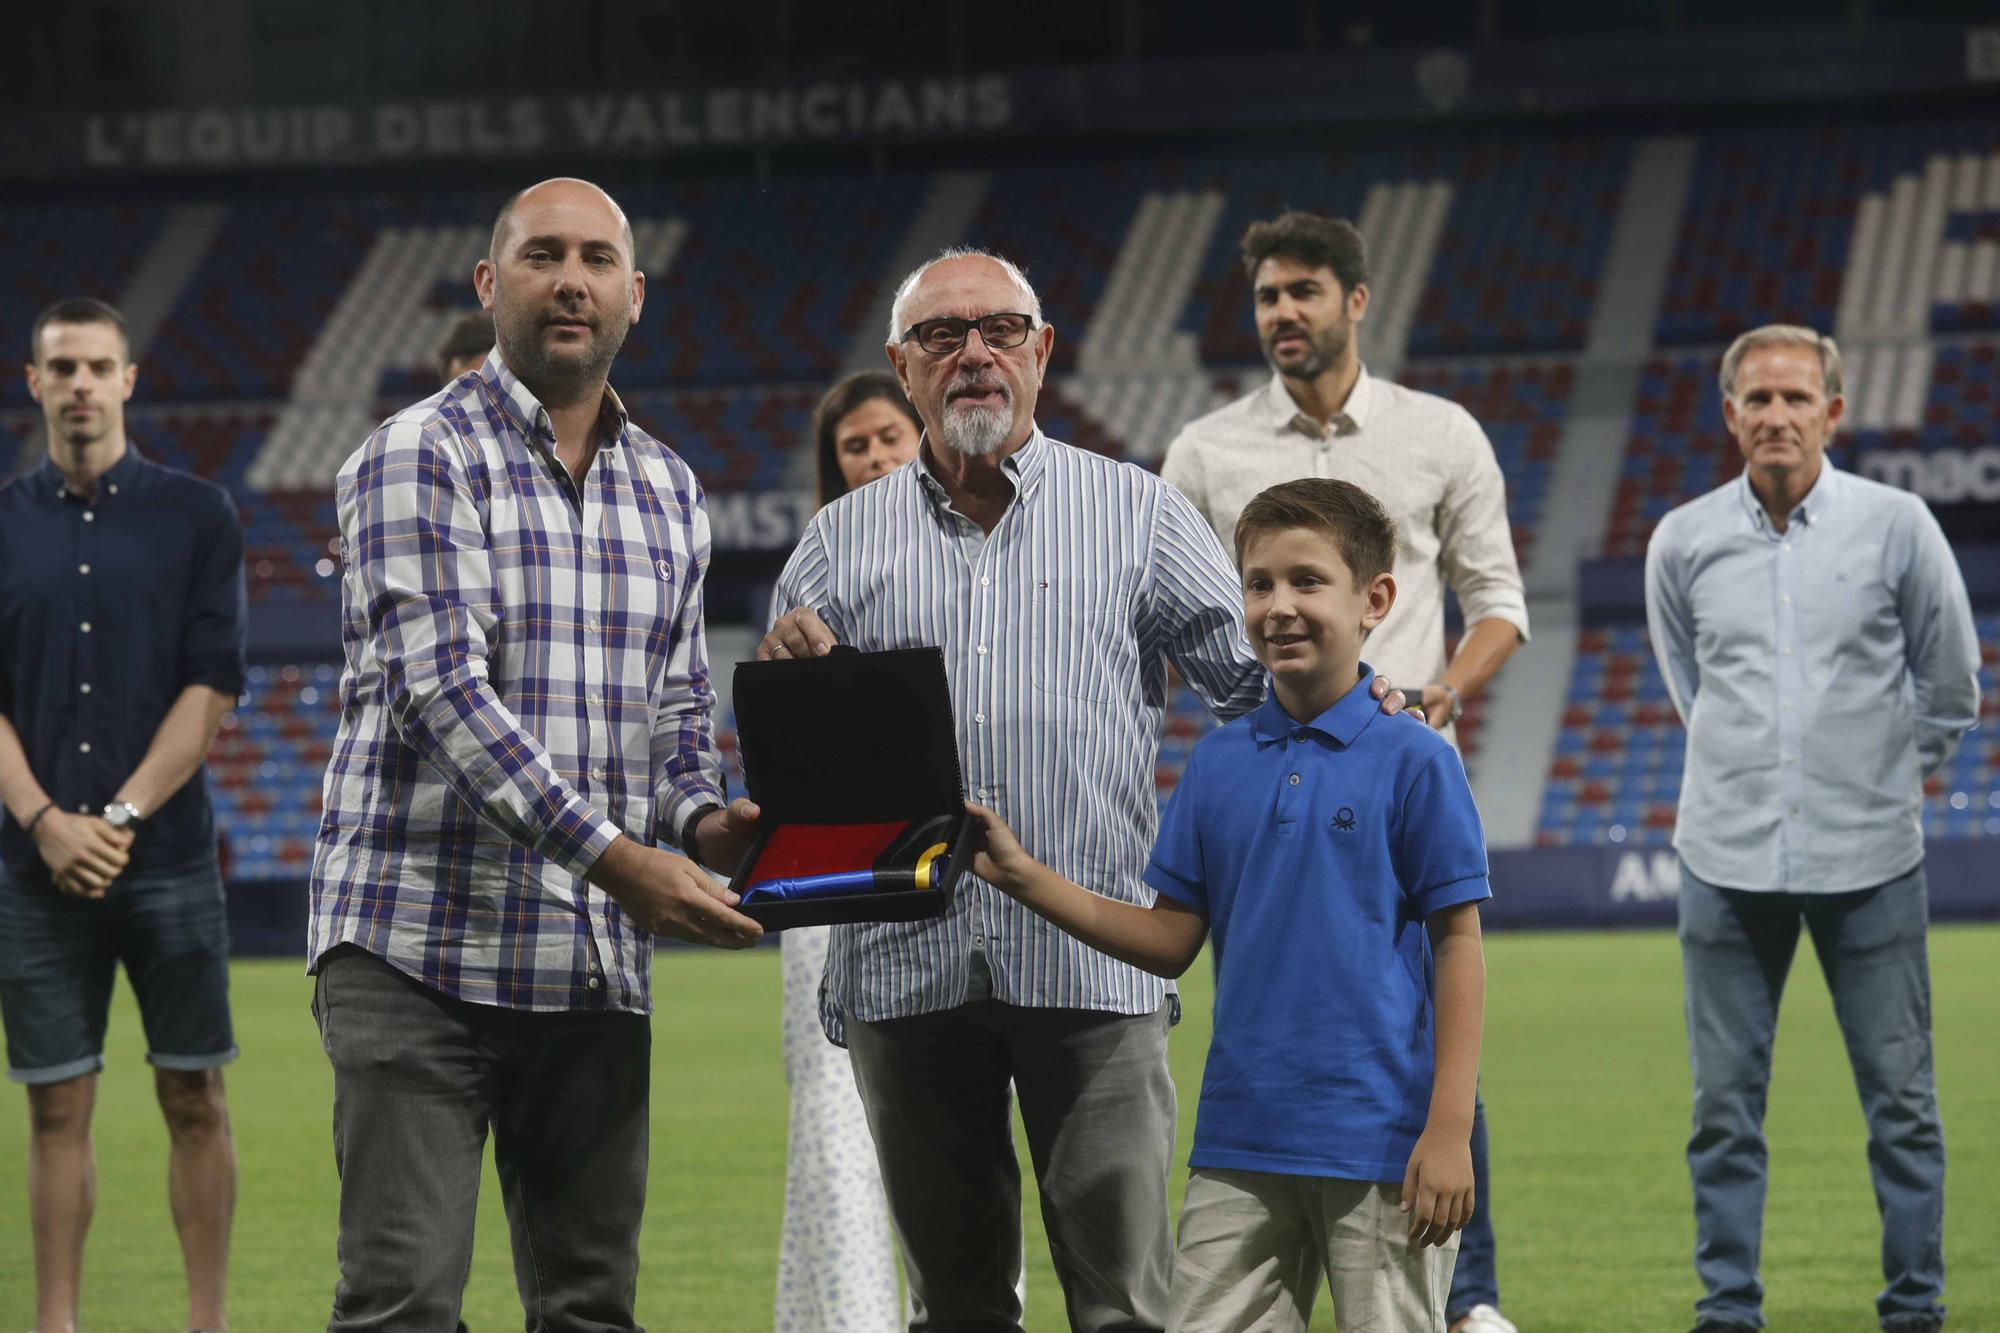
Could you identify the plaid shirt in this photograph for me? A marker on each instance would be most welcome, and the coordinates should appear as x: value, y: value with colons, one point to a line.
x: 525, y: 680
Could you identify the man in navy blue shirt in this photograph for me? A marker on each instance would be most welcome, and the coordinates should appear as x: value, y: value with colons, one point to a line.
x: 121, y: 647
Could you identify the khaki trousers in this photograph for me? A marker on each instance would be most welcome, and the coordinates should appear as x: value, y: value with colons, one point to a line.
x: 1254, y: 1245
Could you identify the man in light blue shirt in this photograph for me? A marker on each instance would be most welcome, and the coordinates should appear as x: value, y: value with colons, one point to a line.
x: 1815, y: 635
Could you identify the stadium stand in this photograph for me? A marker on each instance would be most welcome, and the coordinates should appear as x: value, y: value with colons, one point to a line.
x: 310, y: 318
x: 1845, y: 228
x: 736, y: 440
x: 1517, y: 263
x: 57, y: 252
x: 266, y: 768
x: 771, y: 282
x: 260, y: 299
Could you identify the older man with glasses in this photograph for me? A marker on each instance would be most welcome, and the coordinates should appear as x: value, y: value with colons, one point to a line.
x: 1060, y: 585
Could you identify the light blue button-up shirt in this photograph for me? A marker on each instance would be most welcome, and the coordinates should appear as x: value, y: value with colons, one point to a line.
x: 1822, y: 672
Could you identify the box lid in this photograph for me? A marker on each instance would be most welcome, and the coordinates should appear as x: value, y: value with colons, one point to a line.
x: 851, y: 737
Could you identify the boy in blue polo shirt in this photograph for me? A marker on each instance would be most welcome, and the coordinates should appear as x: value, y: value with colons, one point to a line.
x: 1338, y: 859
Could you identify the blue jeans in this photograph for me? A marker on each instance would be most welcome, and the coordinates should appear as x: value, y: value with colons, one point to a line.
x: 1736, y: 947
x: 1473, y: 1281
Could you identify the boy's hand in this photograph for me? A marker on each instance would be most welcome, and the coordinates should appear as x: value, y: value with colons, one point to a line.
x: 1001, y: 862
x: 1438, y: 1187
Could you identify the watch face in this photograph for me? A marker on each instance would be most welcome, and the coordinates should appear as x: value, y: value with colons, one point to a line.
x: 118, y: 814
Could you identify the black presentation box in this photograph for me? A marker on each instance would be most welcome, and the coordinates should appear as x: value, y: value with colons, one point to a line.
x: 853, y: 761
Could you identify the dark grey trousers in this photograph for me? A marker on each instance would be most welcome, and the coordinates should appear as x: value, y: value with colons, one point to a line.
x: 1098, y: 1106
x: 418, y: 1078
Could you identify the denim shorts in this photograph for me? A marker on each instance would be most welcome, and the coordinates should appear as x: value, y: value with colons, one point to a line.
x: 59, y: 957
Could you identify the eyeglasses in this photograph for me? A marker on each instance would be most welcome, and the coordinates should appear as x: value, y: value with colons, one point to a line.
x: 941, y: 337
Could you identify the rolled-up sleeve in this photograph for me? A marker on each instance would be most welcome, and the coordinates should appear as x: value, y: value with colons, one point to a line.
x: 214, y: 637
x: 413, y: 532
x: 1195, y: 610
x: 1475, y: 539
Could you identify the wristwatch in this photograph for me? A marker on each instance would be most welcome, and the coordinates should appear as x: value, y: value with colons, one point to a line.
x: 121, y: 814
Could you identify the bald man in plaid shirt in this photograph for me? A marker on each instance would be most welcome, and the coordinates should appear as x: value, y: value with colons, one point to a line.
x: 524, y: 712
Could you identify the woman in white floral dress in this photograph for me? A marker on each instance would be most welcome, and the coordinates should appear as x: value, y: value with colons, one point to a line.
x: 836, y: 1254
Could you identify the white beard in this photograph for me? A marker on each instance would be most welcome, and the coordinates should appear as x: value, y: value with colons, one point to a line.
x: 975, y: 431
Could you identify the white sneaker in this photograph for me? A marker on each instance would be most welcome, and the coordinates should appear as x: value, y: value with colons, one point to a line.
x: 1485, y: 1319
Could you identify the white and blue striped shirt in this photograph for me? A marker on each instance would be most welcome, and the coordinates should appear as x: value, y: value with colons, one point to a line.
x: 1057, y: 629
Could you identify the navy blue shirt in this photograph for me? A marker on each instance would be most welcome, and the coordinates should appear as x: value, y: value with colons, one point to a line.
x: 109, y: 608
x: 1316, y: 850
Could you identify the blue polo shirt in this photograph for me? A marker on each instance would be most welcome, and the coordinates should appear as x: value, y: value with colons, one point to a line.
x: 109, y: 608
x: 1316, y: 850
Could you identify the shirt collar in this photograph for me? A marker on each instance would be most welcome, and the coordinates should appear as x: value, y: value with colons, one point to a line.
x: 520, y: 406
x: 120, y: 473
x: 1344, y: 722
x: 1813, y: 507
x: 1025, y: 466
x: 1284, y: 414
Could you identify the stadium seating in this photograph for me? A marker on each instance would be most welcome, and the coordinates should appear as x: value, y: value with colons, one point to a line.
x: 1517, y: 263
x: 1963, y: 407
x: 1678, y: 449
x: 1766, y: 233
x: 736, y: 440
x: 260, y: 298
x: 63, y: 251
x: 311, y: 317
x: 772, y: 283
x: 266, y: 769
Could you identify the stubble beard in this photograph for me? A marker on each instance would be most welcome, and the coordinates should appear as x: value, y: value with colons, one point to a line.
x: 79, y: 438
x: 1323, y: 353
x: 554, y: 373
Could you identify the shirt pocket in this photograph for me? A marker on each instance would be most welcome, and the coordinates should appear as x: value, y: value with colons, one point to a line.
x: 1079, y: 646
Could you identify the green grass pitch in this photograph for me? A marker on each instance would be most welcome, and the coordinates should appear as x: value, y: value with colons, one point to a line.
x: 1586, y: 1084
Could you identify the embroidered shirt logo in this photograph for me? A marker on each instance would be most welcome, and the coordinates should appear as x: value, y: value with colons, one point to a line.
x: 1343, y: 819
x: 666, y: 570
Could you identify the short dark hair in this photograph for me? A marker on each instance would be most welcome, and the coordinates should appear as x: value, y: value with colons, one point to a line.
x: 1312, y: 240
x: 77, y: 310
x: 471, y: 334
x: 842, y: 398
x: 1349, y: 517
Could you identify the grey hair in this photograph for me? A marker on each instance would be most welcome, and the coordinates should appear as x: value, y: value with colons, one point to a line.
x: 1032, y: 302
x: 1784, y: 335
